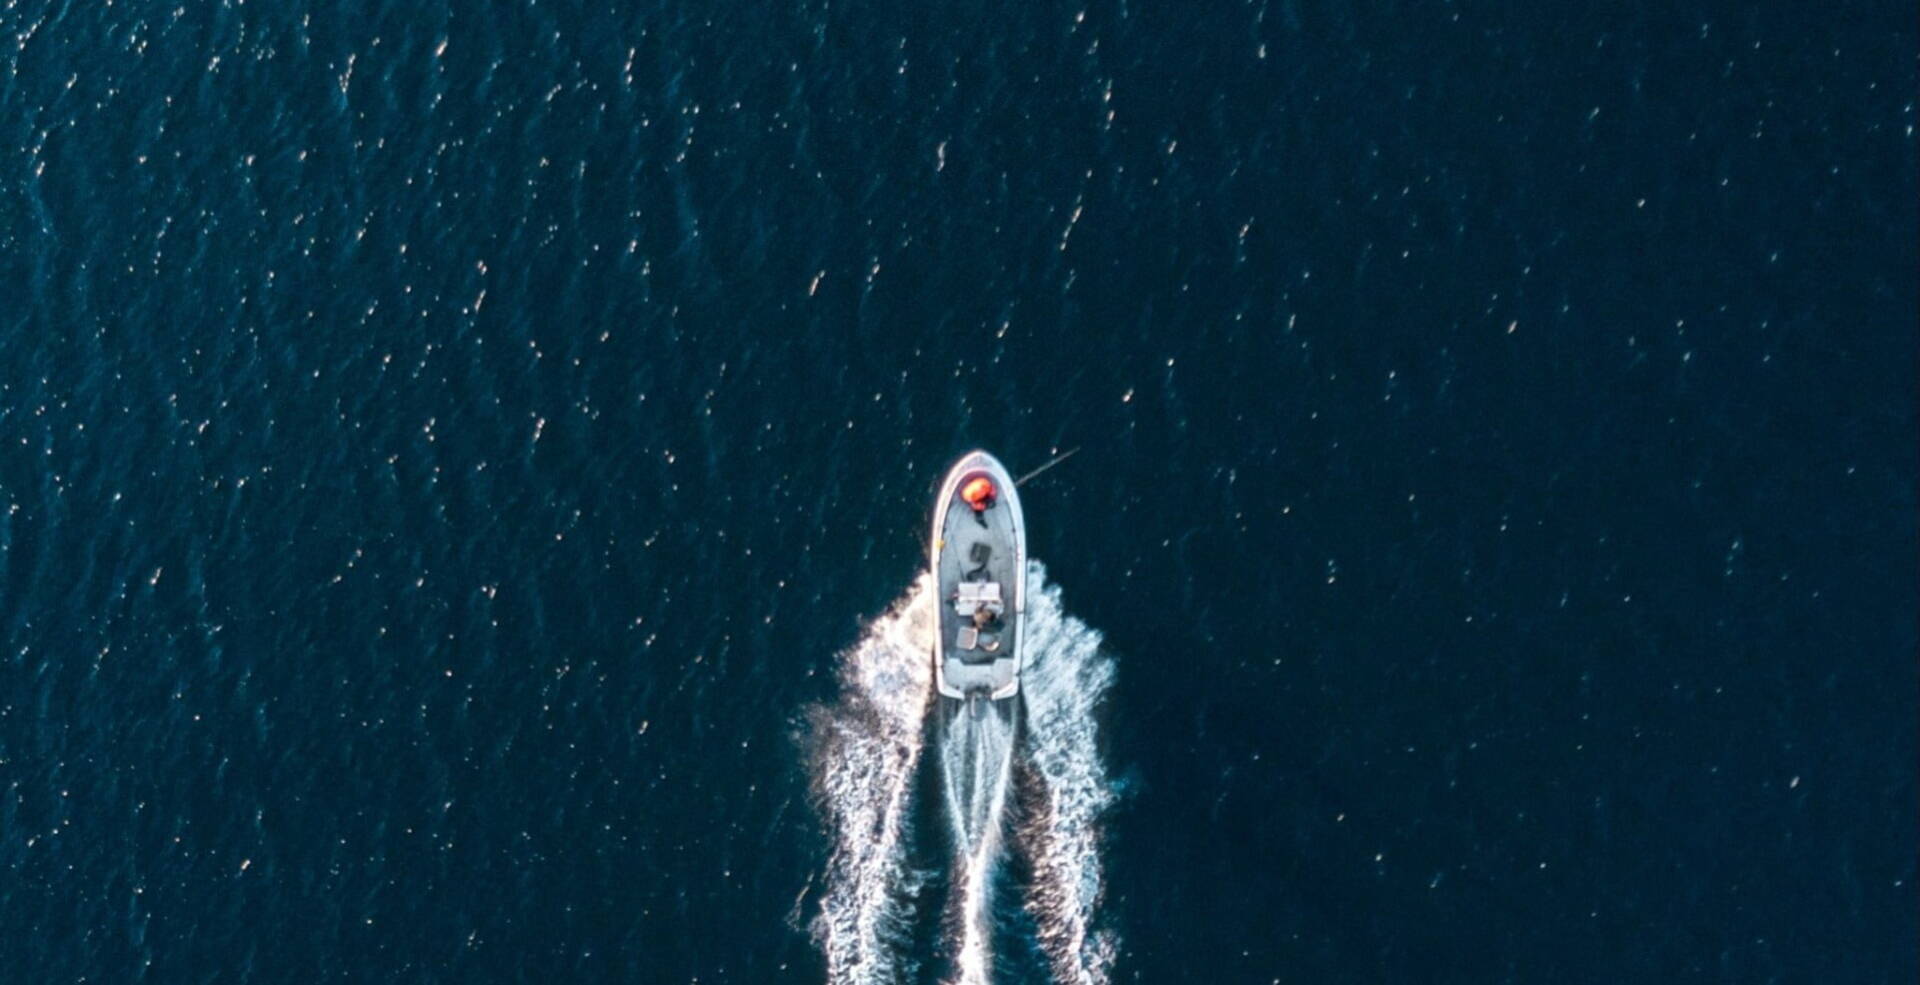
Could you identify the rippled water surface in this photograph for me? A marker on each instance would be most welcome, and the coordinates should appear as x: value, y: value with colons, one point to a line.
x: 453, y: 460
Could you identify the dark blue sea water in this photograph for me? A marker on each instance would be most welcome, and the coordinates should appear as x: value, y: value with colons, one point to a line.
x: 448, y: 452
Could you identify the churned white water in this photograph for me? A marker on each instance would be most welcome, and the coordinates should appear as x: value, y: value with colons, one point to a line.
x: 866, y: 773
x: 1063, y: 682
x: 977, y: 758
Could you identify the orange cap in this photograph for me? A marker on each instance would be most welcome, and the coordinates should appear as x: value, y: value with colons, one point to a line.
x: 978, y: 492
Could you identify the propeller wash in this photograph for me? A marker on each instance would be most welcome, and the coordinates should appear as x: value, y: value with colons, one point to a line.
x: 867, y: 762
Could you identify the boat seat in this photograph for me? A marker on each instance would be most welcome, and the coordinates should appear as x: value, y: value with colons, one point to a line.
x: 968, y: 638
x: 974, y: 594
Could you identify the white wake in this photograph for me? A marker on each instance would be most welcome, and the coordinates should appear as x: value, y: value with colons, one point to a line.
x: 870, y: 747
x: 977, y: 760
x: 868, y: 762
x: 1063, y: 682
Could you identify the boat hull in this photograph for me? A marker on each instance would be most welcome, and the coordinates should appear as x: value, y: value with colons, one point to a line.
x: 979, y: 560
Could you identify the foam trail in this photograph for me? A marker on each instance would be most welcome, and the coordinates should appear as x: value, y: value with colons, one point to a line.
x: 977, y: 756
x: 865, y: 769
x: 1064, y: 678
x: 864, y: 777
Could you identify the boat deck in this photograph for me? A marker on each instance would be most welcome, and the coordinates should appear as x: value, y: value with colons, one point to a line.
x: 980, y: 563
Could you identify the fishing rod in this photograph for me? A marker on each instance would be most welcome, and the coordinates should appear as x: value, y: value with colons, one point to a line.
x: 1057, y: 459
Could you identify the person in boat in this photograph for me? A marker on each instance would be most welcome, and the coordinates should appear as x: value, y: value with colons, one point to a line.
x: 978, y: 492
x: 986, y: 626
